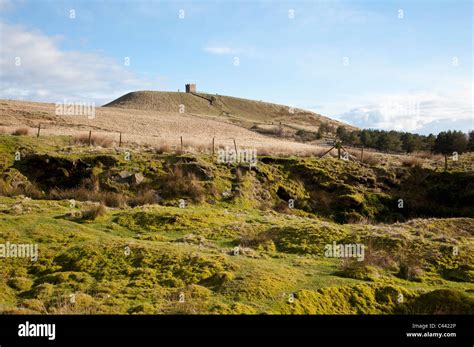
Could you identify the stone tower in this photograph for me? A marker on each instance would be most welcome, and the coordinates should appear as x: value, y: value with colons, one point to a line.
x: 190, y: 88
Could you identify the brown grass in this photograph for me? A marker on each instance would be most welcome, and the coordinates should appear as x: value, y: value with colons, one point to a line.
x: 83, y: 194
x: 427, y: 155
x: 163, y: 148
x: 94, y: 212
x: 96, y: 140
x: 21, y: 132
x: 28, y: 190
x: 412, y: 162
x: 182, y: 184
x: 142, y: 198
x: 370, y: 159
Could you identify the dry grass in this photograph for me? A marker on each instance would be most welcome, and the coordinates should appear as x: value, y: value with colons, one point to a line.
x: 427, y: 155
x: 412, y: 162
x: 155, y: 128
x: 370, y: 159
x: 83, y: 194
x: 21, y: 132
x: 96, y: 140
x: 163, y: 148
x: 94, y: 212
x: 181, y: 184
x: 28, y: 190
x: 142, y: 198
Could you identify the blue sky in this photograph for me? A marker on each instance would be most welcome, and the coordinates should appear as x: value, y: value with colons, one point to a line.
x: 404, y: 65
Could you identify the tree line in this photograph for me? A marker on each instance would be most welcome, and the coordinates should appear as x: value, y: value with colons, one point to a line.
x: 446, y: 142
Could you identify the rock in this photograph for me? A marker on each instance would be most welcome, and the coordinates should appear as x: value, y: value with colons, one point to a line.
x: 137, y: 178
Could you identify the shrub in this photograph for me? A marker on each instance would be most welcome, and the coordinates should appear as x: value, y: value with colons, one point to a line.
x: 412, y: 162
x: 94, y: 212
x: 21, y: 132
x: 410, y: 269
x: 441, y: 301
x: 178, y: 184
x: 370, y: 159
x: 163, y: 148
x: 143, y: 198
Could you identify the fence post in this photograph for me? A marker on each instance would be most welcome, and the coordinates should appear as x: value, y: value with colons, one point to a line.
x: 120, y: 140
x: 362, y: 155
x: 212, y: 146
x: 181, y: 143
x: 39, y: 129
x: 90, y: 137
x: 235, y: 146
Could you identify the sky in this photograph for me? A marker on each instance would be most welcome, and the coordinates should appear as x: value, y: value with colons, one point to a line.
x: 401, y: 65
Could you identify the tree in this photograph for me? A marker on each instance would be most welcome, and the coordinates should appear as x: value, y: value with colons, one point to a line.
x: 354, y: 139
x: 470, y: 145
x: 448, y: 142
x: 341, y: 132
x: 366, y: 138
x: 408, y: 142
x: 429, y: 143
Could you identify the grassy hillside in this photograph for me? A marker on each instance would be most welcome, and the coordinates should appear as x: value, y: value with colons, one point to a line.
x: 182, y: 233
x: 237, y: 110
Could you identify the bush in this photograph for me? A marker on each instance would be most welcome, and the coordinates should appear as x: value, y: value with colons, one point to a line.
x: 441, y: 301
x: 370, y: 159
x: 143, y: 198
x: 180, y: 184
x: 410, y: 269
x: 21, y: 132
x: 412, y: 162
x: 94, y: 212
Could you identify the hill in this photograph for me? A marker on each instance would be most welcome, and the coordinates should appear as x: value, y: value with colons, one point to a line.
x: 244, y: 112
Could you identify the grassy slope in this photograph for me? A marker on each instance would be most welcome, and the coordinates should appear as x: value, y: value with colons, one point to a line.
x: 236, y: 110
x: 189, y: 250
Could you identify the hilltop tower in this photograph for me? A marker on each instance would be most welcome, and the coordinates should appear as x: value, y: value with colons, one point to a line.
x: 190, y: 88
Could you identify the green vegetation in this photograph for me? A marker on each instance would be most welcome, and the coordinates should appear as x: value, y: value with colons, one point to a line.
x: 215, y: 238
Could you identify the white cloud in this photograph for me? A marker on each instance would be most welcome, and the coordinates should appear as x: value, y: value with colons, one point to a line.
x: 220, y: 50
x: 415, y: 112
x: 33, y: 66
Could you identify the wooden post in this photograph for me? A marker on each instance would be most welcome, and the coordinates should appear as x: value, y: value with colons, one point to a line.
x: 181, y: 143
x: 235, y: 146
x: 90, y: 137
x: 39, y: 129
x: 212, y: 146
x: 339, y: 152
x: 362, y: 154
x: 445, y: 162
x: 120, y: 140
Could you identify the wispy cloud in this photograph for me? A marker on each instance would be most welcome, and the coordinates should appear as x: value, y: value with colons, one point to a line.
x: 34, y: 66
x: 416, y: 112
x: 221, y: 50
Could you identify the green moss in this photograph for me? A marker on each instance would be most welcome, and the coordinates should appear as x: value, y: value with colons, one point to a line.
x: 440, y: 301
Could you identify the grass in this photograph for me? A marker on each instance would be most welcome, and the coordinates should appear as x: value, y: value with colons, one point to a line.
x: 95, y: 140
x: 142, y: 251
